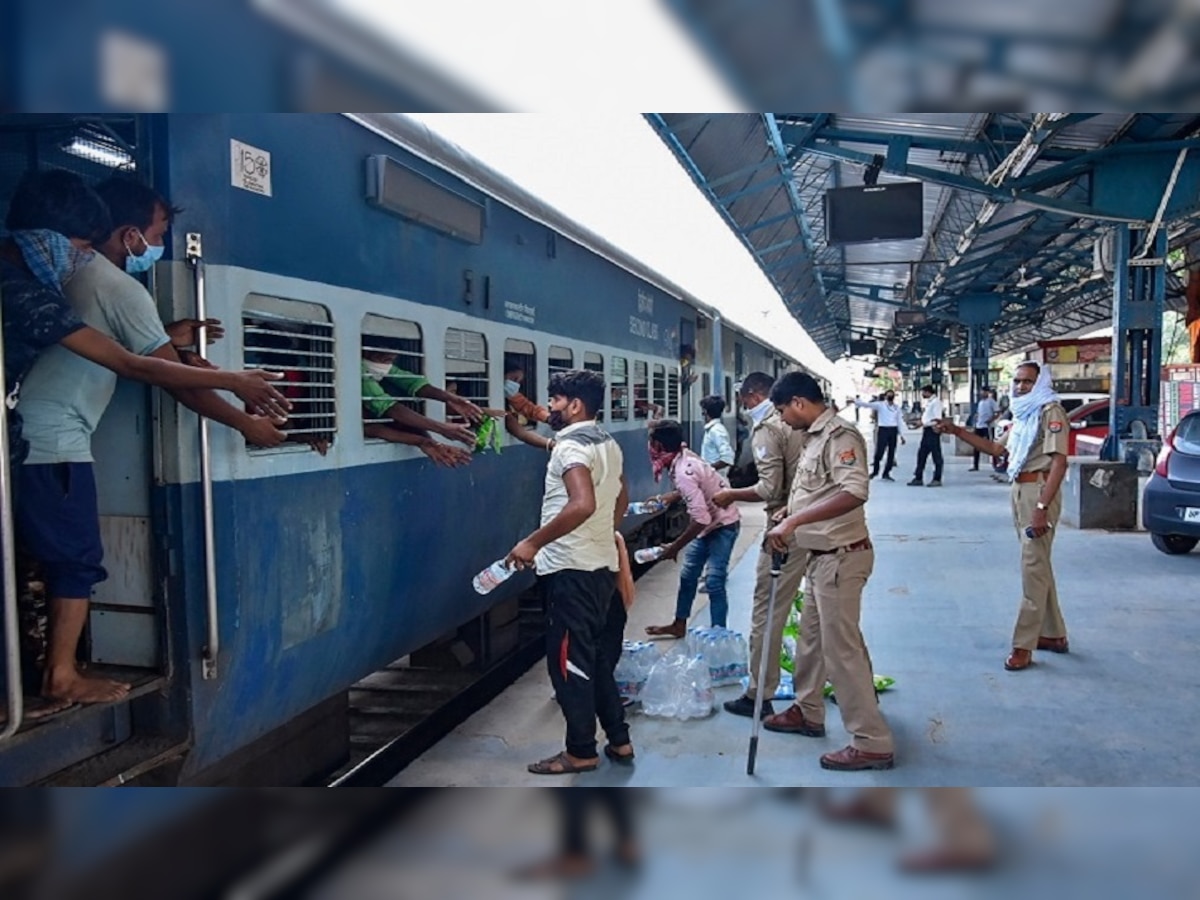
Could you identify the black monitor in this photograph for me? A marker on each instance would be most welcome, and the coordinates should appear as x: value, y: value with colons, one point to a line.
x: 877, y: 212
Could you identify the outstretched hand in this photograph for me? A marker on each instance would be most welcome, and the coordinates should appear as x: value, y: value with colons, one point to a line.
x: 254, y: 388
x: 445, y: 455
x: 186, y: 332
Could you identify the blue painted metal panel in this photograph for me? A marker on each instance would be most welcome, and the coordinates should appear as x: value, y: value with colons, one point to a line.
x: 328, y: 576
x: 318, y: 226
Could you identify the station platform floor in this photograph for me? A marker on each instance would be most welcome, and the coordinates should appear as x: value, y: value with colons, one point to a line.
x: 1119, y: 709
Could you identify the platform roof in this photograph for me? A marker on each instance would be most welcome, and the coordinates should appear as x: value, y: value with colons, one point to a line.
x: 1013, y: 206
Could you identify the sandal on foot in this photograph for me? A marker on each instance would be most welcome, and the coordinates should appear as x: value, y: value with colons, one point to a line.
x: 560, y: 764
x: 624, y: 759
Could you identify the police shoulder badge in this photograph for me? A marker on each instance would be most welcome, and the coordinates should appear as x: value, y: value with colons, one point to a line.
x: 848, y: 457
x: 1054, y: 427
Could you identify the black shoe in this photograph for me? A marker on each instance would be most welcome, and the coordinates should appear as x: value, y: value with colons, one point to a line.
x: 937, y: 482
x: 916, y: 482
x: 875, y: 474
x: 744, y: 706
x: 888, y: 478
x: 973, y: 469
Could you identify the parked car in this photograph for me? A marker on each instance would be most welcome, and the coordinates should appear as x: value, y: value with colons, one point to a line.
x: 1072, y: 402
x: 1171, y: 502
x: 1090, y: 419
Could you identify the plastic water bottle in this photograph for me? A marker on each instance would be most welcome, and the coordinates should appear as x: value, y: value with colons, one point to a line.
x: 492, y: 577
x: 645, y: 507
x: 646, y: 555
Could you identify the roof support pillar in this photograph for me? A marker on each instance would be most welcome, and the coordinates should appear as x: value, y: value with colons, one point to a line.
x: 978, y: 312
x: 1139, y: 292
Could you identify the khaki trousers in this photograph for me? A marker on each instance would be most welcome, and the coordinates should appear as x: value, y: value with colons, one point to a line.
x: 1039, y: 615
x: 785, y: 594
x: 831, y: 641
x: 957, y: 822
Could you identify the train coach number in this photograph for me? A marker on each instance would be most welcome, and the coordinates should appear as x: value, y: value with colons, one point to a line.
x: 643, y: 328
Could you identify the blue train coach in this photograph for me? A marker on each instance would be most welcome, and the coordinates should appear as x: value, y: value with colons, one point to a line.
x: 249, y: 588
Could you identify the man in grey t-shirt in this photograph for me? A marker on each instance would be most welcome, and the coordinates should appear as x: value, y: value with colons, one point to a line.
x: 62, y: 400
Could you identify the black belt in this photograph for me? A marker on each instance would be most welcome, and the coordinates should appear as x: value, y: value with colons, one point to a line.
x: 864, y: 544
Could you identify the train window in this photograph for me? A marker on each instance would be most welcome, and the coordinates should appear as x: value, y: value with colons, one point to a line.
x: 728, y: 392
x: 389, y: 345
x: 560, y: 359
x: 594, y: 362
x: 520, y: 365
x: 296, y: 339
x: 673, y: 393
x: 466, y: 367
x: 619, y: 389
x: 641, y: 390
x: 739, y: 360
x: 705, y: 384
x: 658, y: 388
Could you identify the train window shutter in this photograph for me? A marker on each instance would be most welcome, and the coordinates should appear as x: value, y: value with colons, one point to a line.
x: 297, y: 339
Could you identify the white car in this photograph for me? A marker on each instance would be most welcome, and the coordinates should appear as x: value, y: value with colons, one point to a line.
x: 1074, y: 401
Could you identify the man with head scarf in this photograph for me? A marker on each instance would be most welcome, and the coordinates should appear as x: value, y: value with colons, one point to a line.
x: 1037, y: 463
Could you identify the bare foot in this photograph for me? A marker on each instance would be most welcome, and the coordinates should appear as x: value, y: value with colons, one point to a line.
x: 37, y: 708
x: 70, y: 685
x: 676, y: 629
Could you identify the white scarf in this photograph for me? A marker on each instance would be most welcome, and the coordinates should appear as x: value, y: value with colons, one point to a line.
x: 1027, y: 412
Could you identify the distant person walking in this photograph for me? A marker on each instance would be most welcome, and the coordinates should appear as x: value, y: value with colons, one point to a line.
x: 888, y: 432
x: 1037, y: 462
x: 986, y: 411
x: 931, y: 441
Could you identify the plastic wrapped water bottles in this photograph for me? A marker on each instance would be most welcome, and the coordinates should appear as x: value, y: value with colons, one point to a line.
x: 724, y: 652
x: 633, y: 668
x: 679, y: 687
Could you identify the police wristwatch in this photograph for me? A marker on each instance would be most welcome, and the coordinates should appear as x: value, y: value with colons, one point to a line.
x: 1042, y: 506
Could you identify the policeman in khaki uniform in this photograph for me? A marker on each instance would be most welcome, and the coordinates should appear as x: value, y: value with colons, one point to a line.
x: 827, y: 521
x: 1037, y: 448
x: 777, y: 450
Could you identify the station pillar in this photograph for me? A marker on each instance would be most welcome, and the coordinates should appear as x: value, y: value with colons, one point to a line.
x: 978, y: 312
x: 1139, y: 292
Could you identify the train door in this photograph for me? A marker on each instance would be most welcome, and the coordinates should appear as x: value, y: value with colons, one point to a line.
x: 124, y: 636
x: 680, y: 394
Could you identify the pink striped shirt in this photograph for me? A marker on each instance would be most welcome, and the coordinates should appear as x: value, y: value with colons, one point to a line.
x: 697, y: 481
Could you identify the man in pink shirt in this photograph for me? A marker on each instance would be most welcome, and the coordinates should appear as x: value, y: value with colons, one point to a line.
x: 711, y: 533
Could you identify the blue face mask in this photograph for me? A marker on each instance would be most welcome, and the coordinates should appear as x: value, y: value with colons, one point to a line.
x: 135, y: 265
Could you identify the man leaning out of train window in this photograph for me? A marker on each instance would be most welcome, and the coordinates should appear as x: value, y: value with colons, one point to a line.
x: 383, y: 382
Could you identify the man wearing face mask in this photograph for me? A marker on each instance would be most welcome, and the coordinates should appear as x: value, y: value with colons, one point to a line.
x: 383, y: 382
x: 777, y: 449
x: 888, y: 416
x: 54, y: 219
x: 576, y: 556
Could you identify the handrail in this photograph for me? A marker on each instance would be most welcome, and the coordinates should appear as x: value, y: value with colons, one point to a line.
x: 12, y: 638
x: 212, y: 646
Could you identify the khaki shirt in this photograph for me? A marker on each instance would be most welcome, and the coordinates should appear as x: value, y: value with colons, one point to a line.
x: 1053, y: 436
x: 777, y: 449
x: 834, y: 460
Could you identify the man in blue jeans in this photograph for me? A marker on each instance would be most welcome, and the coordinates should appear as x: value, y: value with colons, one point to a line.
x: 711, y: 532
